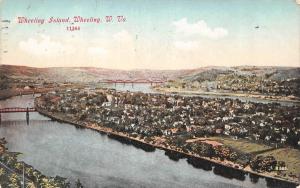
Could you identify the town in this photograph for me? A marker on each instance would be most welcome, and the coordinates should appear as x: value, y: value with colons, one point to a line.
x: 242, y: 134
x: 183, y: 123
x: 270, y: 83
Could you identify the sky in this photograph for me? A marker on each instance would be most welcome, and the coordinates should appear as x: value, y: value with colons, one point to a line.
x: 167, y: 34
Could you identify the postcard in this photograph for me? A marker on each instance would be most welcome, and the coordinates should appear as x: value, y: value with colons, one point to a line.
x: 150, y: 93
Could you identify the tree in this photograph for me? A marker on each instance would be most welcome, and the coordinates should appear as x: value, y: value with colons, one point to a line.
x: 4, y: 82
x: 263, y: 163
x: 78, y: 184
x: 48, y: 183
x: 2, y: 175
x: 14, y: 181
x: 37, y: 177
x: 31, y: 185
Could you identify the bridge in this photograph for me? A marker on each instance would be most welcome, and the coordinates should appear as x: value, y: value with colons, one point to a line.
x: 136, y: 81
x: 16, y: 110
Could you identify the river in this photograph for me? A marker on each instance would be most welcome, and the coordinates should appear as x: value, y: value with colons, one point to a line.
x: 147, y: 88
x: 61, y: 149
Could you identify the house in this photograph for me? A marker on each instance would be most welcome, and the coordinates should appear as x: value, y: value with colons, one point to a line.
x: 219, y: 131
x: 227, y: 127
x: 167, y: 132
x: 106, y: 104
x: 27, y: 88
x: 256, y: 136
x: 109, y: 98
x: 267, y: 138
x: 171, y: 100
x: 283, y: 139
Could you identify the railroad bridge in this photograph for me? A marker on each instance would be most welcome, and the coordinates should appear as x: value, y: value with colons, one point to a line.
x: 137, y: 81
x: 17, y: 110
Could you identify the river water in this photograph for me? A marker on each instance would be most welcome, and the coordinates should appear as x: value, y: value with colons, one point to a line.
x: 147, y: 88
x: 61, y: 149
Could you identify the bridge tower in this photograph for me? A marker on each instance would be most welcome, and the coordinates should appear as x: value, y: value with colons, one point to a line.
x: 27, y: 116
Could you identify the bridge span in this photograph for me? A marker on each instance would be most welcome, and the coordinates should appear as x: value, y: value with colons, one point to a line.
x: 136, y: 81
x: 17, y: 110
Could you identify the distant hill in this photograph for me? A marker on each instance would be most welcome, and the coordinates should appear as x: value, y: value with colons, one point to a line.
x: 272, y: 73
x: 21, y: 71
x: 206, y: 75
x: 88, y: 74
x: 284, y: 81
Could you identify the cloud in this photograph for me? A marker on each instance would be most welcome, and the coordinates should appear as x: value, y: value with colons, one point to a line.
x: 189, y: 45
x: 123, y: 41
x: 199, y: 28
x: 43, y: 47
x: 122, y: 36
x: 97, y: 51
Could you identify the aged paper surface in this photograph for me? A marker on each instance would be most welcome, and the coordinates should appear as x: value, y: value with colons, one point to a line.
x: 150, y: 93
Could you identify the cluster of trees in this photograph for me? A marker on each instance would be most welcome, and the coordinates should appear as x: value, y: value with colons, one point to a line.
x: 263, y: 163
x: 35, y: 177
x: 207, y: 150
x: 202, y: 149
x: 4, y: 82
x: 259, y: 163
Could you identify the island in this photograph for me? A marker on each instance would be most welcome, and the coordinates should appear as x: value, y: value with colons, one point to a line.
x: 247, y: 137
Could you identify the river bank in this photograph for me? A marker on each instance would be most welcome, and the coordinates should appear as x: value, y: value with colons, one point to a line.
x: 14, y: 172
x: 2, y: 145
x: 8, y: 93
x: 173, y: 152
x: 229, y: 94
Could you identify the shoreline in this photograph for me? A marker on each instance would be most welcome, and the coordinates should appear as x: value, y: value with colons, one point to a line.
x: 9, y: 93
x: 168, y: 151
x: 229, y: 94
x: 29, y: 173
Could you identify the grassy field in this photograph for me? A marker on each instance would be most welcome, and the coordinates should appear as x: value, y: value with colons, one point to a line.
x: 241, y: 144
x: 289, y: 155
